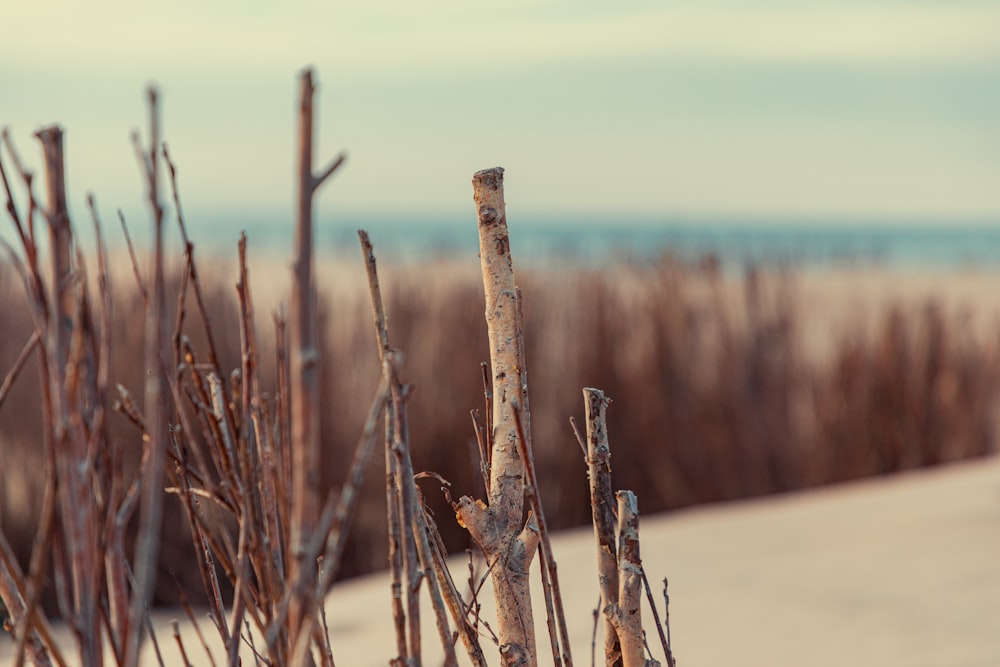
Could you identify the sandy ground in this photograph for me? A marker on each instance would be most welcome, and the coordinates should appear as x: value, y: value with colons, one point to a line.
x: 893, y: 572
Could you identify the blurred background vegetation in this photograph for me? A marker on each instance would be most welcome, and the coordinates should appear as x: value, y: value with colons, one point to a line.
x: 718, y: 394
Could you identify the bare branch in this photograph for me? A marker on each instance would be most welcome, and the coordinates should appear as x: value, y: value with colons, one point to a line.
x: 304, y: 363
x: 499, y: 530
x: 15, y: 370
x: 327, y: 171
x: 556, y: 615
x: 151, y: 512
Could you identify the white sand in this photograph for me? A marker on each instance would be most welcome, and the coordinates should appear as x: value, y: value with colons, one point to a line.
x: 892, y: 572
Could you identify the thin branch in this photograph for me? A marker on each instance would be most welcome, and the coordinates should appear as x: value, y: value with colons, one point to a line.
x: 579, y: 438
x: 488, y: 397
x: 392, y: 492
x: 11, y: 578
x: 558, y: 632
x: 189, y: 261
x: 347, y: 502
x: 180, y: 643
x: 40, y: 552
x: 189, y: 611
x: 481, y: 438
x: 664, y: 642
x: 329, y: 169
x: 147, y: 543
x: 15, y: 370
x: 666, y: 622
x: 135, y: 262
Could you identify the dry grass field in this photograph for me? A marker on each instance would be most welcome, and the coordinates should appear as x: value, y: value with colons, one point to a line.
x: 726, y: 386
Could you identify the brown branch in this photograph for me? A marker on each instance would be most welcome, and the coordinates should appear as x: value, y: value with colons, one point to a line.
x: 133, y: 259
x: 74, y: 491
x: 339, y: 523
x: 395, y: 552
x: 189, y: 612
x: 627, y: 613
x: 407, y: 502
x: 664, y: 641
x: 40, y: 552
x: 151, y: 508
x: 327, y: 171
x: 12, y: 593
x: 347, y: 501
x: 579, y: 438
x: 304, y: 353
x: 481, y: 437
x: 487, y: 461
x: 394, y: 520
x: 422, y: 525
x: 556, y: 615
x: 15, y: 217
x: 15, y: 370
x: 283, y: 420
x: 452, y: 598
x: 180, y: 644
x: 26, y: 228
x: 266, y: 549
x: 101, y: 382
x: 190, y: 263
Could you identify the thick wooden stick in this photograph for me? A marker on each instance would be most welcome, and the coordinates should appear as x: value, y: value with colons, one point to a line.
x: 499, y: 529
x: 627, y: 615
x: 602, y: 503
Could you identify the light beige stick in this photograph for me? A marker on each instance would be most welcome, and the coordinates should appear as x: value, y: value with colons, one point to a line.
x: 628, y: 613
x: 498, y: 529
x: 603, y: 510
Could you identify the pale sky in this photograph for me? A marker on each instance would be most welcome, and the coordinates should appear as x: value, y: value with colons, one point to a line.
x: 796, y: 109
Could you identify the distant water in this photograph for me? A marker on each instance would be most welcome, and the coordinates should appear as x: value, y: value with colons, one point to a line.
x: 733, y: 243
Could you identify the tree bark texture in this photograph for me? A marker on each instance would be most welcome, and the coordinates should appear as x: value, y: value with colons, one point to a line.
x: 627, y: 613
x: 499, y: 528
x: 602, y: 502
